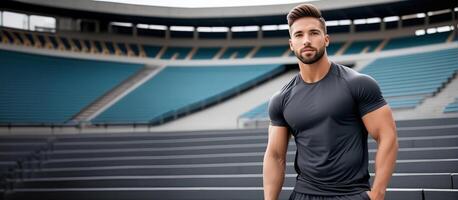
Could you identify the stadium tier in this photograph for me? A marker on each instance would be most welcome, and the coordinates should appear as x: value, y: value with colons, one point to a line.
x: 120, y: 48
x: 452, y: 107
x: 236, y: 52
x: 358, y: 47
x: 176, y: 53
x: 412, y: 41
x: 44, y: 89
x: 405, y: 80
x: 180, y: 90
x: 206, y: 53
x: 211, y: 165
x: 422, y: 74
x: 271, y: 51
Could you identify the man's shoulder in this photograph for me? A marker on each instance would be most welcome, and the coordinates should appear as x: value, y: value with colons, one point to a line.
x: 351, y: 76
x: 285, y: 90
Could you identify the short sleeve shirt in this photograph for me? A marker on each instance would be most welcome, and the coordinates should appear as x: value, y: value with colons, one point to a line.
x: 325, y: 119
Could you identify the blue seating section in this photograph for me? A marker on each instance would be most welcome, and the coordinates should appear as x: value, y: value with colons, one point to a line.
x: 404, y: 80
x: 452, y: 107
x: 181, y: 52
x: 44, y: 89
x: 359, y: 46
x: 259, y: 112
x: 421, y: 74
x: 406, y: 102
x: 151, y: 51
x: 178, y: 90
x: 413, y: 41
x: 240, y: 52
x: 334, y: 47
x: 271, y: 51
x: 206, y: 53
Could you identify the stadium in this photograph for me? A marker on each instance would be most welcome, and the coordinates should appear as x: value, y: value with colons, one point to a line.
x: 106, y: 100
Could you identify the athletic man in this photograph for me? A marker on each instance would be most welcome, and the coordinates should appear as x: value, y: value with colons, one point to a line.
x: 329, y: 109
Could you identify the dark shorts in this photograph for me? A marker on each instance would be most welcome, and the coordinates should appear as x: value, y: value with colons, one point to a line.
x: 299, y: 196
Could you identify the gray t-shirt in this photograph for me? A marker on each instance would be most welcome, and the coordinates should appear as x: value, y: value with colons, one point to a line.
x: 325, y: 120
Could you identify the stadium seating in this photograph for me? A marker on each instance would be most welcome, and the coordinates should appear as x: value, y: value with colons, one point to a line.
x: 271, y: 51
x: 51, y: 41
x: 236, y: 52
x: 44, y: 89
x: 259, y: 112
x: 413, y: 41
x: 206, y: 53
x: 151, y: 51
x: 406, y: 80
x: 362, y: 46
x: 215, y: 165
x: 180, y: 90
x: 176, y: 53
x: 452, y: 107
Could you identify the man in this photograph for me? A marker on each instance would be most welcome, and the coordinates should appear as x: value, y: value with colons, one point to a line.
x: 330, y: 110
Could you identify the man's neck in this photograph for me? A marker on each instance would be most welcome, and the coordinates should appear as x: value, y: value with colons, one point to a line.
x: 312, y: 73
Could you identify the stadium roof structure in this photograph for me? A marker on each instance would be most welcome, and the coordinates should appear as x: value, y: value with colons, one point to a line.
x: 229, y: 16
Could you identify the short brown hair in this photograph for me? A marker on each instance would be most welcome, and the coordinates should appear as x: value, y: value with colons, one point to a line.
x: 305, y: 10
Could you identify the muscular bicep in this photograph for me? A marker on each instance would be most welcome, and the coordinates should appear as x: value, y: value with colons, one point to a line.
x: 277, y: 144
x: 380, y: 122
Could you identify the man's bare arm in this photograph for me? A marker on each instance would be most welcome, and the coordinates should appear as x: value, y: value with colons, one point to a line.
x: 381, y: 127
x: 275, y: 162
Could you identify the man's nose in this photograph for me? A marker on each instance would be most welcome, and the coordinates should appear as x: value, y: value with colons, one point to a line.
x: 306, y: 41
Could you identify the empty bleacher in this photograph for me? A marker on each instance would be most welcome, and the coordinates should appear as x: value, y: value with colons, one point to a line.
x: 206, y: 53
x: 236, y: 52
x: 180, y: 90
x: 406, y: 80
x: 271, y: 51
x: 215, y: 165
x: 452, y: 107
x: 362, y: 46
x: 178, y: 53
x: 413, y: 41
x: 44, y: 89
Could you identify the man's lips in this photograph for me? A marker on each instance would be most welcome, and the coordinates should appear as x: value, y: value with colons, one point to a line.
x: 307, y: 49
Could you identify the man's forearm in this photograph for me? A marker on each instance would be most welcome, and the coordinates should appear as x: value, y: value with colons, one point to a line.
x: 273, y: 177
x: 385, y: 162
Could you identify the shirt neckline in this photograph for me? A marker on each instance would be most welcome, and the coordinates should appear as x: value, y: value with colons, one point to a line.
x: 331, y: 67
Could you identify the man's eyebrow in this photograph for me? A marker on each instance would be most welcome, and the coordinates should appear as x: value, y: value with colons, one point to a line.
x: 300, y: 31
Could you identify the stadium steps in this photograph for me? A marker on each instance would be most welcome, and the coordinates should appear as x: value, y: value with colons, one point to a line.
x: 217, y: 165
x: 434, y: 106
x: 115, y: 94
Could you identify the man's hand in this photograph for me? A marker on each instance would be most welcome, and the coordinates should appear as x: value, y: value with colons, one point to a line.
x: 373, y: 195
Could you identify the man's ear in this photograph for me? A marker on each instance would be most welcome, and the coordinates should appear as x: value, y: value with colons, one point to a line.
x: 327, y: 39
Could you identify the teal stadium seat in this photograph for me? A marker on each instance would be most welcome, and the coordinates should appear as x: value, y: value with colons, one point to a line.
x: 452, y: 107
x: 151, y: 51
x: 413, y: 41
x: 206, y: 53
x: 406, y: 80
x: 181, y: 52
x: 238, y: 52
x: 45, y: 89
x: 358, y: 46
x: 271, y: 51
x: 179, y: 90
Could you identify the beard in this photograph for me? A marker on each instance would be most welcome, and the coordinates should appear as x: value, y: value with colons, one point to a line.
x: 310, y: 60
